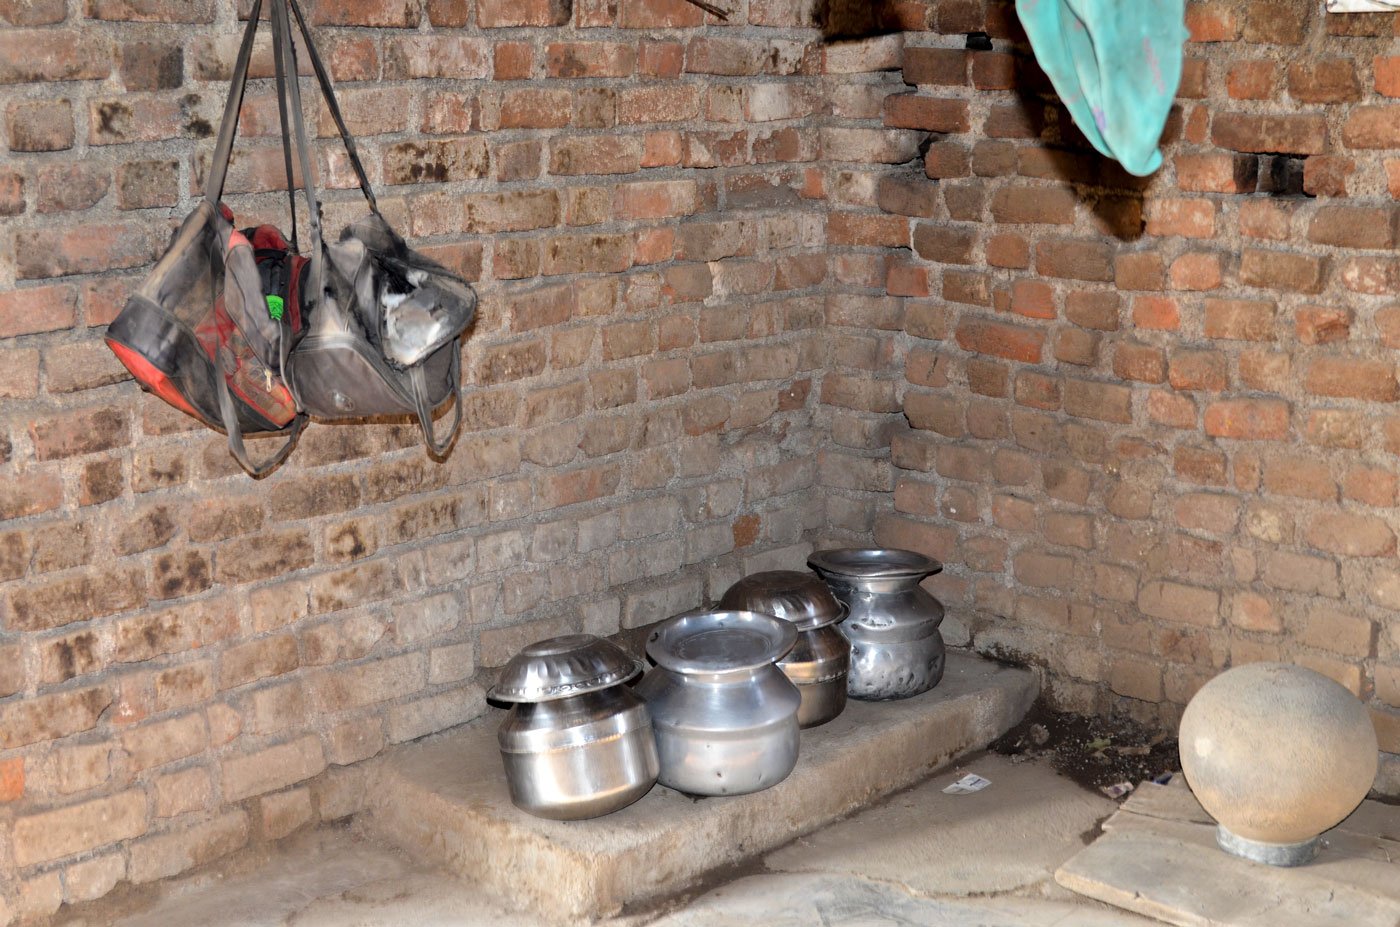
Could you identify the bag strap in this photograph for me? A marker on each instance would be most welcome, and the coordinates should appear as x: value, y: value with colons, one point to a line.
x: 280, y: 69
x: 418, y: 383
x: 236, y: 446
x: 327, y: 91
x: 290, y: 86
x: 223, y: 148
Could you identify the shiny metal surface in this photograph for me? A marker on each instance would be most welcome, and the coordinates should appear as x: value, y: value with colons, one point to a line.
x: 818, y: 665
x: 719, y: 642
x: 896, y: 649
x: 579, y: 757
x: 561, y: 667
x: 798, y: 598
x: 725, y: 717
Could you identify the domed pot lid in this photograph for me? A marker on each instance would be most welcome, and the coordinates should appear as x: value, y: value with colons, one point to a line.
x: 563, y: 666
x: 720, y: 642
x: 873, y: 562
x: 800, y: 599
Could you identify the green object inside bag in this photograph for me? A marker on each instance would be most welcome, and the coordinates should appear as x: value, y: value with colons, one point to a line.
x: 275, y: 307
x: 1116, y: 65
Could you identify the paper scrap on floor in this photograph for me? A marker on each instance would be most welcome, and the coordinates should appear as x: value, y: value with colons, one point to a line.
x: 967, y: 785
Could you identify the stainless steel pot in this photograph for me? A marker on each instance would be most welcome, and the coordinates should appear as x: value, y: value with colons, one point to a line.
x: 819, y: 661
x: 725, y: 716
x: 896, y: 649
x: 577, y: 743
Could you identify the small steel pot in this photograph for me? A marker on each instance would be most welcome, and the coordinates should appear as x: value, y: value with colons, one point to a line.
x: 819, y: 661
x: 725, y: 716
x: 896, y: 649
x: 577, y: 743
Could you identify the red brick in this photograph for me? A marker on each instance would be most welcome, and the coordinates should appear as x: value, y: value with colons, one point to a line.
x: 1159, y: 313
x: 1196, y: 271
x: 1198, y: 370
x: 1329, y: 80
x: 938, y: 66
x: 1239, y: 319
x: 1075, y: 260
x: 1352, y: 378
x: 1013, y: 342
x: 1252, y: 80
x: 1387, y: 69
x: 1248, y: 419
x: 1351, y: 535
x: 1322, y: 324
x: 1141, y: 362
x: 37, y: 309
x: 1372, y: 127
x: 1033, y: 299
x: 43, y: 125
x: 1273, y: 23
x: 1139, y: 271
x: 595, y: 154
x: 1295, y: 134
x: 1326, y: 175
x: 932, y: 114
x: 1355, y: 227
x: 1105, y: 402
x: 1282, y: 270
x: 498, y: 14
x: 1216, y: 173
x: 33, y: 55
x: 513, y: 61
x: 436, y: 56
x: 1034, y: 205
x: 533, y: 108
x: 1265, y: 219
x: 1212, y: 22
x: 1188, y: 218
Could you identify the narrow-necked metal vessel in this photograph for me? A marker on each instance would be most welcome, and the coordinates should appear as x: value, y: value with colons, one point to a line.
x: 577, y: 743
x: 725, y: 715
x: 896, y: 648
x: 819, y: 661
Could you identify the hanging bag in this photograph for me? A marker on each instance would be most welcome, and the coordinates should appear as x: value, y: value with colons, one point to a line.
x: 245, y: 334
x: 384, y: 336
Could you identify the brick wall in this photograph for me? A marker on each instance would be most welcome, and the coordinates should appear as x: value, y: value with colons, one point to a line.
x: 1150, y: 424
x: 190, y: 660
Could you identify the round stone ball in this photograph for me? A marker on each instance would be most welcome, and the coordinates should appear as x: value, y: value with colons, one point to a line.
x: 1277, y: 753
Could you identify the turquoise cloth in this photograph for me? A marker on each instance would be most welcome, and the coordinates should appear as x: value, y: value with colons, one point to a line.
x: 1116, y: 64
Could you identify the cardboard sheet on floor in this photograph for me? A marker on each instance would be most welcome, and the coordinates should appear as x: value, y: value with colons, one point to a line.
x: 1158, y: 857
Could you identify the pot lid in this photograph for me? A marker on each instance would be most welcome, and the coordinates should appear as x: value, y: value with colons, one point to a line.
x: 873, y: 562
x: 801, y: 599
x: 563, y: 666
x: 720, y: 641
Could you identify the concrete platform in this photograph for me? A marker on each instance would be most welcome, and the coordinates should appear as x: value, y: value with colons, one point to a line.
x: 444, y: 800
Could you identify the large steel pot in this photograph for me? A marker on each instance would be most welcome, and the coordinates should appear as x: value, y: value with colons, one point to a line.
x: 577, y: 743
x: 896, y: 649
x: 818, y: 663
x: 725, y: 716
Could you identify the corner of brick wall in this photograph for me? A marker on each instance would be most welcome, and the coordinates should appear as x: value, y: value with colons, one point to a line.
x: 1149, y: 423
x: 190, y: 661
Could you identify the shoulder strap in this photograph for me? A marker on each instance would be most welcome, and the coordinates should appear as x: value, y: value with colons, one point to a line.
x: 218, y: 166
x: 418, y: 384
x: 328, y: 92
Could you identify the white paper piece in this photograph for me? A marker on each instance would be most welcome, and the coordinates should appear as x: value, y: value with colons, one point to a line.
x: 967, y: 784
x: 1117, y: 790
x: 1362, y: 6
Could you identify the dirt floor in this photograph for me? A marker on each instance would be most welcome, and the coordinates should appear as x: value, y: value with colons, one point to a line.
x: 1105, y: 755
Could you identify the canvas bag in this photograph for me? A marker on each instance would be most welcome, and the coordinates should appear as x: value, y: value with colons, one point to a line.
x: 197, y: 332
x: 358, y: 358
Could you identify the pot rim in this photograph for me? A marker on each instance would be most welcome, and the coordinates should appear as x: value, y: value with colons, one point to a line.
x: 873, y: 562
x: 755, y: 640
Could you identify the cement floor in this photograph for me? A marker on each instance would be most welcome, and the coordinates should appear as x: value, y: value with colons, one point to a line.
x: 920, y: 859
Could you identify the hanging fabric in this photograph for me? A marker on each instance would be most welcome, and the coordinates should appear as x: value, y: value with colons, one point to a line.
x: 1116, y: 65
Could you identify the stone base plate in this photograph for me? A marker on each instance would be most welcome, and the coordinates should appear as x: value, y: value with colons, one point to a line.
x: 444, y: 800
x: 1158, y: 856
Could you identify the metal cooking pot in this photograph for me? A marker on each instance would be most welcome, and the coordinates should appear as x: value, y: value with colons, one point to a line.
x: 577, y: 743
x: 821, y: 658
x: 725, y: 715
x: 896, y: 649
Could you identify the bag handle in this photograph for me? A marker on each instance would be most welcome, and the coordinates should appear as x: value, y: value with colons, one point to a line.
x: 327, y: 91
x: 236, y: 446
x: 418, y: 383
x: 280, y: 70
x: 290, y: 87
x: 223, y: 148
